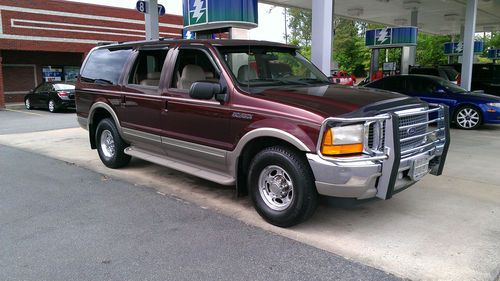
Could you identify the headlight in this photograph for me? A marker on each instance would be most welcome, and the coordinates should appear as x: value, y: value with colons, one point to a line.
x: 494, y: 104
x: 343, y: 140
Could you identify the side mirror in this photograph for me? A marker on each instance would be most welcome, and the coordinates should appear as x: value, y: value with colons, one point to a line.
x: 204, y: 90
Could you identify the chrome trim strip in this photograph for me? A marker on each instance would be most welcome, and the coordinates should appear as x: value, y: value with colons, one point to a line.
x: 422, y: 147
x: 142, y: 135
x: 421, y: 124
x: 405, y: 114
x: 194, y: 147
x: 422, y: 135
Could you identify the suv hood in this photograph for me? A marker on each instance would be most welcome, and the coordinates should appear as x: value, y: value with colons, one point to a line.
x: 335, y: 100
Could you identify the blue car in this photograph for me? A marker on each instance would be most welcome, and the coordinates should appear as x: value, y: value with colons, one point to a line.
x: 468, y: 110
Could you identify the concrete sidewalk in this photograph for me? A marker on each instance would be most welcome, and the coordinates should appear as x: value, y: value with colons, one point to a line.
x: 443, y: 228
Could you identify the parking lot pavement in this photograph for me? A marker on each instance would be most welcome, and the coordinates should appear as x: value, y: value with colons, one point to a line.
x: 443, y: 228
x: 16, y: 119
x: 62, y: 222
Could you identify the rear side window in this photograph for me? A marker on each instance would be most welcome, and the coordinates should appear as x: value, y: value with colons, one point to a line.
x: 104, y: 66
x: 147, y: 68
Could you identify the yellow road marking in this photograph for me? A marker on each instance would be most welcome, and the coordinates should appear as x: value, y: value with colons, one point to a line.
x: 24, y: 112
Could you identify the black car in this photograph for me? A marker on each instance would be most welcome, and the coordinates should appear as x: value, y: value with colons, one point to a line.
x: 51, y: 95
x: 445, y: 72
x: 468, y: 110
x: 485, y: 77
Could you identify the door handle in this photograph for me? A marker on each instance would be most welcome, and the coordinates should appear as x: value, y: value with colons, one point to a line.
x: 123, y: 101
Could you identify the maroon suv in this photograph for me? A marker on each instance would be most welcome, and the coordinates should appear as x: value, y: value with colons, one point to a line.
x: 259, y: 116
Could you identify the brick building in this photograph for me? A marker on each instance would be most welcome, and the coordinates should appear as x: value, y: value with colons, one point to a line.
x: 47, y: 39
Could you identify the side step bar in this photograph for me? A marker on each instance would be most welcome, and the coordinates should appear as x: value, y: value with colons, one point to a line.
x: 181, y: 166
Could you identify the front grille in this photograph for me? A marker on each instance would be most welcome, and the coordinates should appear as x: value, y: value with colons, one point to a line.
x: 410, y: 127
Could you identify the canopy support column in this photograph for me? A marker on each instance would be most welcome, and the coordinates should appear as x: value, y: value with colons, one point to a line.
x: 322, y: 21
x: 468, y: 54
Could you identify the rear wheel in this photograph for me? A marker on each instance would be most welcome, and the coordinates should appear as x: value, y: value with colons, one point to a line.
x: 282, y: 186
x: 52, y: 106
x: 468, y: 118
x: 110, y: 145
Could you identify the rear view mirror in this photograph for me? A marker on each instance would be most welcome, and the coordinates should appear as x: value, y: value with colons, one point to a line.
x: 204, y: 90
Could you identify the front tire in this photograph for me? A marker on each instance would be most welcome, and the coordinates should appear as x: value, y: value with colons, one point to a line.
x: 110, y: 145
x: 281, y: 186
x: 27, y: 104
x: 468, y: 118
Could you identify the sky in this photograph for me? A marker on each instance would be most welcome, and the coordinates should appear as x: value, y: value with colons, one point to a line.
x: 271, y: 20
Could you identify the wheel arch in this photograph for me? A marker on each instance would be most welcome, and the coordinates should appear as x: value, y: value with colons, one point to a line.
x: 255, y: 141
x: 97, y: 112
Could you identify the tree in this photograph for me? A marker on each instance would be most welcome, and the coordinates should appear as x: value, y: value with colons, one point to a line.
x: 430, y: 49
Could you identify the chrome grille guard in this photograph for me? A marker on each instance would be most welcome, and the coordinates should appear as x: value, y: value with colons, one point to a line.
x: 386, y: 149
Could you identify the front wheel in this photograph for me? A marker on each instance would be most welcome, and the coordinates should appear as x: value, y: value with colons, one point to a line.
x: 282, y: 186
x: 27, y: 104
x: 110, y: 145
x: 468, y: 118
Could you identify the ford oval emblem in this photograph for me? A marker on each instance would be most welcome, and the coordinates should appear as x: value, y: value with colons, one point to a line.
x: 411, y: 131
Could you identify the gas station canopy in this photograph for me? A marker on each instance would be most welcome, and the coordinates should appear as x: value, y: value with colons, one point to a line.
x: 434, y: 16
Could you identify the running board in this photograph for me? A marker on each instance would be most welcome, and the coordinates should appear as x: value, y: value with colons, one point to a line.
x: 181, y: 166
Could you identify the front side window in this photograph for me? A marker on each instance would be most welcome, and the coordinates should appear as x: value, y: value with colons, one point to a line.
x: 261, y: 66
x: 104, y: 66
x: 147, y: 68
x: 193, y: 65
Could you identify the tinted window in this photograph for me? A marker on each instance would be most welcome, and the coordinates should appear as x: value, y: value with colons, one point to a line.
x: 379, y: 84
x: 105, y: 66
x: 420, y: 85
x: 395, y: 84
x: 147, y: 68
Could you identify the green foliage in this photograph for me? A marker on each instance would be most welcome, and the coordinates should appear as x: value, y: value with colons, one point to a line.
x: 430, y: 49
x: 349, y: 43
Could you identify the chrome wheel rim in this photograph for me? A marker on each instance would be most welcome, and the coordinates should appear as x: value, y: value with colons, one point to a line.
x: 27, y: 103
x: 107, y: 144
x: 276, y: 188
x: 468, y: 118
x: 52, y: 106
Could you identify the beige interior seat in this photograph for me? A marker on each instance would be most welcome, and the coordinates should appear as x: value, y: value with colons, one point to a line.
x: 245, y: 73
x: 153, y: 79
x: 190, y: 74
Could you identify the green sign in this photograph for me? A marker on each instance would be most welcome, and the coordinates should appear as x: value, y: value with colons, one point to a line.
x: 390, y: 37
x: 198, y: 12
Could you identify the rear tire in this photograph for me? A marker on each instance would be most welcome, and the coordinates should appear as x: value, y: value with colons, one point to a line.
x: 52, y: 106
x: 281, y: 186
x: 110, y: 145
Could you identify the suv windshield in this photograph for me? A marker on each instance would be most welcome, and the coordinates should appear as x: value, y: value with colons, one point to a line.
x: 259, y: 66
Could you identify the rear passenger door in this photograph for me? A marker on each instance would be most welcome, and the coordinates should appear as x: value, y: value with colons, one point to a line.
x: 195, y: 131
x: 142, y: 103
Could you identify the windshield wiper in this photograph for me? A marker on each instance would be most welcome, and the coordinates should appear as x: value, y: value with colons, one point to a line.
x: 313, y: 80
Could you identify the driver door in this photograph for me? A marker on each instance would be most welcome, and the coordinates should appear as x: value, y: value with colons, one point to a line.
x: 195, y: 131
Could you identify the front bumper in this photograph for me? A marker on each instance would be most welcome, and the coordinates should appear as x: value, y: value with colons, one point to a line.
x: 387, y: 172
